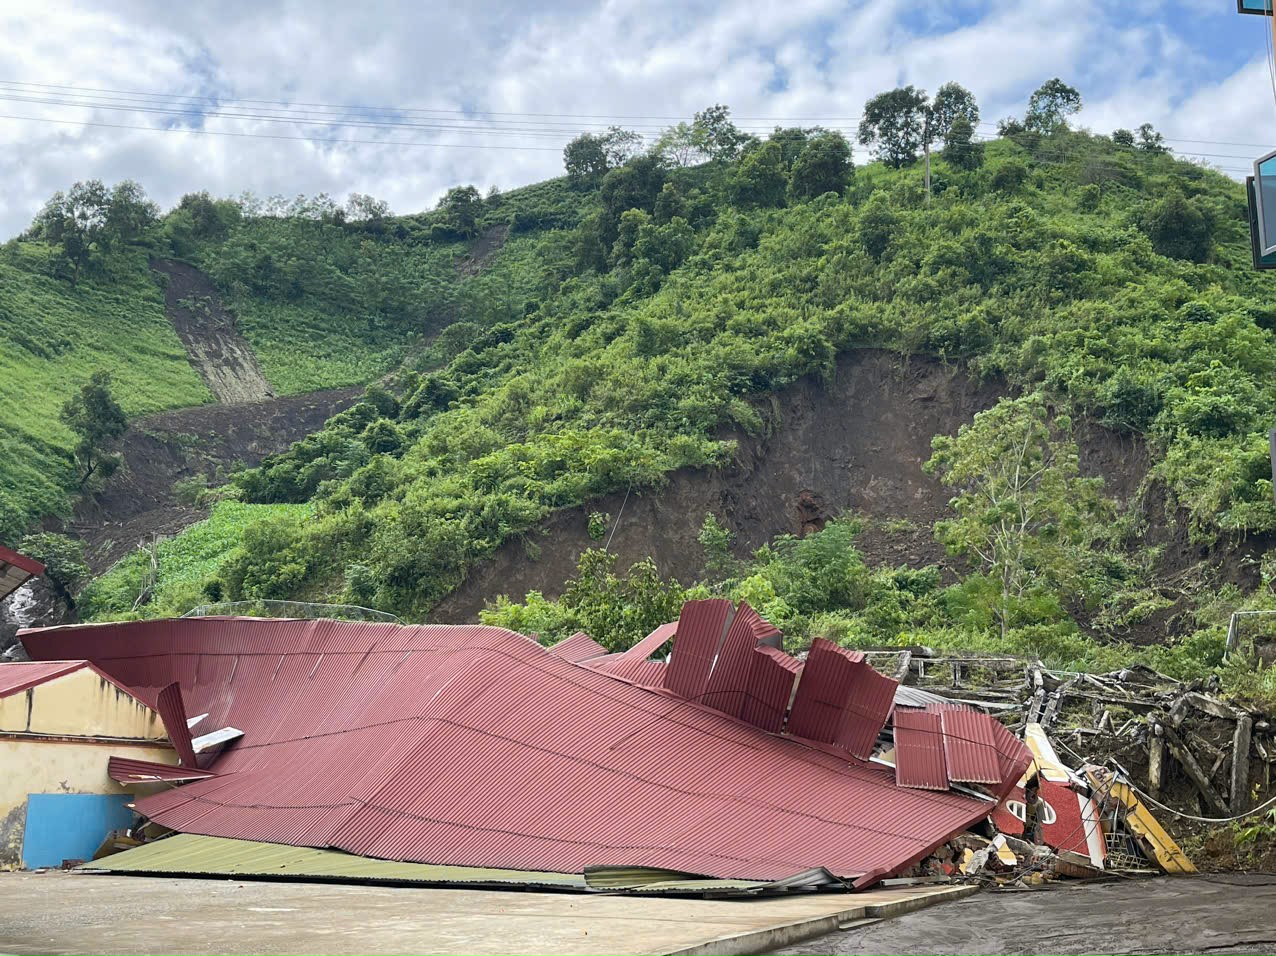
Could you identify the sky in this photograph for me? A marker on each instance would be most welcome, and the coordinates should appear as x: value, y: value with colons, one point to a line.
x: 296, y: 96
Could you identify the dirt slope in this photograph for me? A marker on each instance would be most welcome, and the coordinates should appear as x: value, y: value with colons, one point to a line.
x: 216, y: 349
x: 855, y: 445
x: 163, y: 449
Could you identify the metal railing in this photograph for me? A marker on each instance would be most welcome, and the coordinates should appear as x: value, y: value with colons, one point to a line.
x: 305, y: 610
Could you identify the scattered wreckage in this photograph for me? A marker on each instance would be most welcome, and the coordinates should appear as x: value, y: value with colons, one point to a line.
x: 705, y: 759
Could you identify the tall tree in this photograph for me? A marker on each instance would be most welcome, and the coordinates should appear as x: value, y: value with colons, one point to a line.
x: 1150, y: 141
x: 759, y: 179
x: 823, y: 167
x: 461, y: 208
x: 585, y: 159
x: 960, y: 149
x: 894, y: 124
x: 679, y: 146
x: 74, y: 222
x: 621, y: 145
x: 1023, y: 510
x: 952, y: 102
x: 1050, y: 106
x: 716, y: 136
x: 96, y: 419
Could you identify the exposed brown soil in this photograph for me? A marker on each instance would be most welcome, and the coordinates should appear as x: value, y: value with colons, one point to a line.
x: 216, y: 349
x: 161, y: 450
x: 481, y: 250
x: 856, y: 445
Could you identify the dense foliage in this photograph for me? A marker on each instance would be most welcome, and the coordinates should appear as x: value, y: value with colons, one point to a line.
x: 646, y: 302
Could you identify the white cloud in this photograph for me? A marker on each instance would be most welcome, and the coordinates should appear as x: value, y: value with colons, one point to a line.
x: 631, y: 58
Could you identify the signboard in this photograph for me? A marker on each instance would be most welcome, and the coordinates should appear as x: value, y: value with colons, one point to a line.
x: 1264, y: 256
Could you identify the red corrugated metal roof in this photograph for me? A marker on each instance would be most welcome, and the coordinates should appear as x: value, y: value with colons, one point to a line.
x: 17, y: 676
x: 821, y: 694
x: 701, y: 629
x: 579, y: 647
x: 15, y: 570
x: 919, y: 750
x: 128, y: 771
x: 168, y: 704
x: 771, y: 676
x: 472, y: 745
x: 870, y: 697
x: 969, y: 751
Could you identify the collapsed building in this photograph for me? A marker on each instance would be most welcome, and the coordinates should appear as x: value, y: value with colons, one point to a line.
x: 705, y: 758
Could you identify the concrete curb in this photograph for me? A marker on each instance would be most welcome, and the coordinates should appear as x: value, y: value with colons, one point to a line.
x: 771, y: 938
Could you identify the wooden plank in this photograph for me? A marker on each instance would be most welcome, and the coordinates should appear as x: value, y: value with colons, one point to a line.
x: 1240, y: 765
x: 1194, y: 772
x: 1213, y: 707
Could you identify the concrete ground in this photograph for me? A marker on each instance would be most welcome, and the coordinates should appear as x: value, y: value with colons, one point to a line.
x: 60, y: 912
x: 1203, y: 914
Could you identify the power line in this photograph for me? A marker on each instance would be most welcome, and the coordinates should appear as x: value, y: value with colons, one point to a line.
x: 304, y: 139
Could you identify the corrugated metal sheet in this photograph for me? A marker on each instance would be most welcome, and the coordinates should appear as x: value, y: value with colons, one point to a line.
x: 969, y: 750
x: 579, y: 647
x: 18, y: 676
x: 15, y: 570
x: 870, y: 697
x: 821, y: 693
x: 771, y: 677
x: 728, y: 684
x: 477, y: 747
x: 187, y: 854
x: 919, y: 750
x: 168, y: 704
x: 653, y: 642
x: 916, y: 697
x: 127, y: 771
x: 701, y: 629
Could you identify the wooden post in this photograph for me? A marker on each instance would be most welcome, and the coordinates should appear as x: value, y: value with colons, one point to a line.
x: 1194, y: 772
x: 1240, y: 765
x: 1156, y: 763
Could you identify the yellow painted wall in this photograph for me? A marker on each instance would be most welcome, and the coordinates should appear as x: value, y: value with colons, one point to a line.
x: 79, y: 704
x: 30, y: 765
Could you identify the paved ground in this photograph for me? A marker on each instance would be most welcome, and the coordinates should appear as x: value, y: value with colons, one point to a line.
x: 78, y: 913
x: 1232, y: 914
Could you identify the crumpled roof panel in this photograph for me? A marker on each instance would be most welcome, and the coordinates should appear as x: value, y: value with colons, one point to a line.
x: 475, y: 746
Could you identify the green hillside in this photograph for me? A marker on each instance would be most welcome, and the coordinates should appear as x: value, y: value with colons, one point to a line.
x: 637, y: 309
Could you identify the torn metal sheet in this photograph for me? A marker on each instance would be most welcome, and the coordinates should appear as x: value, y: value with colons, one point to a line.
x: 919, y: 750
x: 478, y: 747
x: 771, y: 677
x: 129, y: 772
x: 969, y: 749
x: 168, y: 704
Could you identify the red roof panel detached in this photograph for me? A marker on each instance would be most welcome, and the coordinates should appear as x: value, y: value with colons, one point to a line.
x: 15, y: 570
x: 771, y: 676
x: 870, y: 697
x: 127, y: 771
x: 168, y: 704
x: 919, y: 750
x: 821, y: 693
x: 969, y: 750
x: 701, y: 628
x: 476, y: 746
x: 579, y: 647
x: 728, y: 686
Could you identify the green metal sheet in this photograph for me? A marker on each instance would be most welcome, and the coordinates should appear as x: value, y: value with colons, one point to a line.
x: 189, y: 854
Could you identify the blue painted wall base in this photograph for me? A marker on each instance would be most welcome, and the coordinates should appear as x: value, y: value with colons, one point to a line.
x: 70, y: 826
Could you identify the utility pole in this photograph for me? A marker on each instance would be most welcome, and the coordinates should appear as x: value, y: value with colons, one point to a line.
x: 926, y: 150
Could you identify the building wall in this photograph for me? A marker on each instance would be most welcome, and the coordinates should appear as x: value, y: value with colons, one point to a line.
x: 30, y: 765
x: 79, y: 704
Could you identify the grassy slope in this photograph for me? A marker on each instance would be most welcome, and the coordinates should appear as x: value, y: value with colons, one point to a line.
x: 602, y: 383
x: 52, y: 337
